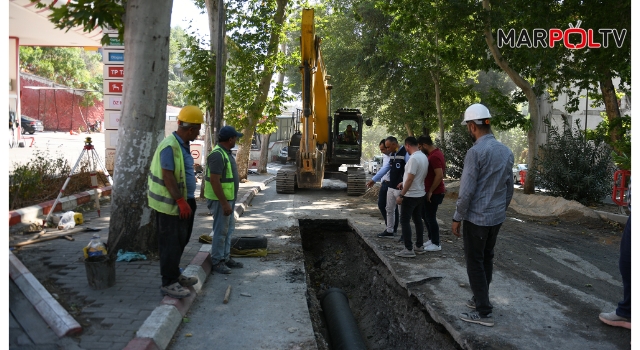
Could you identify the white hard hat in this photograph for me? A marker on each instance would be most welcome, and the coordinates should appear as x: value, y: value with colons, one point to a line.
x: 478, y: 113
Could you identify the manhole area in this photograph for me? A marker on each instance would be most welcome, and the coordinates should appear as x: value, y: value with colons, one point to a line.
x: 335, y: 256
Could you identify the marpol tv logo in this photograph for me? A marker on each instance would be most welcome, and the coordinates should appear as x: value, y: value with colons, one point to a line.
x: 573, y: 38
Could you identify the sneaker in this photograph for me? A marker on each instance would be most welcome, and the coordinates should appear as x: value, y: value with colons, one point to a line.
x: 222, y: 268
x: 612, y: 319
x: 385, y: 234
x: 406, y: 253
x: 419, y: 250
x: 474, y: 317
x: 427, y: 243
x: 471, y: 304
x: 234, y: 264
x: 433, y: 248
x: 187, y: 281
x: 175, y: 291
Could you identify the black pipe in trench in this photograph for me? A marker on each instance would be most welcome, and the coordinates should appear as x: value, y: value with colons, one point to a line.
x: 342, y: 326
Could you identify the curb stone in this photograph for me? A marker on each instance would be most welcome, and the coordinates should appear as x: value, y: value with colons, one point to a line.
x: 29, y: 215
x: 60, y: 321
x: 158, y: 329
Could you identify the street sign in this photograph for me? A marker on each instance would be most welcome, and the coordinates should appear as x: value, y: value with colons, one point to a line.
x: 113, y: 72
x: 110, y: 138
x: 112, y: 56
x: 110, y: 159
x: 114, y: 42
x: 112, y: 119
x: 112, y: 87
x: 113, y: 102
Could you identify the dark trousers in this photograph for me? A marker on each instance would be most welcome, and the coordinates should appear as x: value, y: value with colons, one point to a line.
x: 429, y: 217
x: 412, y: 209
x: 173, y: 235
x: 478, y: 250
x: 624, y: 306
x: 382, y: 204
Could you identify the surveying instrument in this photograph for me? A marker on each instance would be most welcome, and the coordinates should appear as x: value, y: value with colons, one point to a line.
x: 94, y: 161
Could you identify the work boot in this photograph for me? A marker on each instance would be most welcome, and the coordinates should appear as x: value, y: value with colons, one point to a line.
x: 221, y: 267
x: 175, y: 291
x: 187, y: 281
x: 234, y: 264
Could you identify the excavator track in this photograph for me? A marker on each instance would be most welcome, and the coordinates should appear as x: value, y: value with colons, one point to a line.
x: 356, y: 181
x: 285, y: 181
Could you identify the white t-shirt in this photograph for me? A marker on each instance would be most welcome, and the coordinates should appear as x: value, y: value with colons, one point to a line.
x: 418, y: 165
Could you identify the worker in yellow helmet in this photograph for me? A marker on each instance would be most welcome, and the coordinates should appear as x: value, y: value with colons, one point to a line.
x: 172, y: 184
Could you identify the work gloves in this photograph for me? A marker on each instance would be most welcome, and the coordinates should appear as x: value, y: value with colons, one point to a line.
x: 185, y: 208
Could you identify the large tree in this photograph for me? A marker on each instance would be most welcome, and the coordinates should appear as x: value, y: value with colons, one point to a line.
x: 146, y: 30
x: 253, y: 99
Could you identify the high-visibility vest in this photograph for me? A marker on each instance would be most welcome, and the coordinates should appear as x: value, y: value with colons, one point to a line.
x: 158, y: 195
x: 226, y: 178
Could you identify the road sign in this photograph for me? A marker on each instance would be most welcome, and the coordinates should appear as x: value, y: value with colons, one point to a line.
x: 111, y: 138
x: 112, y: 87
x: 113, y: 102
x: 195, y: 154
x: 112, y: 56
x: 109, y: 159
x: 114, y: 42
x: 112, y: 119
x: 113, y: 72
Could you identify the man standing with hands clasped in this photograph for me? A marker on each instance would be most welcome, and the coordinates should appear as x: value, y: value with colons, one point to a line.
x: 411, y: 197
x: 172, y: 183
x: 221, y: 193
x: 486, y: 188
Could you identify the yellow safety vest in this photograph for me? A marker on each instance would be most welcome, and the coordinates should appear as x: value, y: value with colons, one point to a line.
x: 226, y: 179
x: 158, y: 195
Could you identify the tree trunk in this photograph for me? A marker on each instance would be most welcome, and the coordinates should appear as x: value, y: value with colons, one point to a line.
x: 611, y: 107
x: 206, y: 150
x: 264, y: 153
x: 255, y: 113
x: 132, y: 224
x: 436, y: 83
x: 532, y: 134
x: 217, y: 33
x: 409, y: 133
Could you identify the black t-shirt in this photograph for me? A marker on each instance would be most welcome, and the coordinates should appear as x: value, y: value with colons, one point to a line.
x: 396, y: 167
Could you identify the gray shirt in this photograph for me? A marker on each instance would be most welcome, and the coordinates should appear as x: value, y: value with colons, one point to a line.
x: 486, y: 185
x: 216, y: 166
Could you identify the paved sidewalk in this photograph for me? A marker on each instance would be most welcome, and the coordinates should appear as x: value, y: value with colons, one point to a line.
x: 111, y: 317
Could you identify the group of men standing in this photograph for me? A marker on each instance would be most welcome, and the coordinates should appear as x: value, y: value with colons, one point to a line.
x: 412, y: 179
x: 172, y: 185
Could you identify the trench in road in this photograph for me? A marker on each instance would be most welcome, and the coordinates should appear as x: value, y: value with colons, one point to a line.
x: 335, y: 256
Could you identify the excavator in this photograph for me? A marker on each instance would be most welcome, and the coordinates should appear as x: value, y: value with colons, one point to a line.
x: 324, y: 142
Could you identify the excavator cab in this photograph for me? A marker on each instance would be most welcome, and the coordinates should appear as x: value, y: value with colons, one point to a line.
x: 347, y: 137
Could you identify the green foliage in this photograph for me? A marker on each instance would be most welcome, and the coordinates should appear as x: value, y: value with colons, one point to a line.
x: 69, y: 66
x: 622, y: 157
x: 572, y: 167
x: 198, y: 63
x: 33, y: 180
x: 516, y: 140
x: 455, y: 146
x: 371, y: 137
x: 88, y: 14
x: 179, y: 79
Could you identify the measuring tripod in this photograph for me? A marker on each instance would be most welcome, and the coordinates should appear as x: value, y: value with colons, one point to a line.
x: 95, y: 161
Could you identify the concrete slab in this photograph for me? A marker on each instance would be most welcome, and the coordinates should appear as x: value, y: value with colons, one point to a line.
x: 160, y: 325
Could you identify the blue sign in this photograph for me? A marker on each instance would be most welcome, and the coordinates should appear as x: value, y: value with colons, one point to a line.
x: 116, y: 56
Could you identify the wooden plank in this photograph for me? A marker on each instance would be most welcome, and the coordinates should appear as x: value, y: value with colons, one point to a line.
x: 227, y: 294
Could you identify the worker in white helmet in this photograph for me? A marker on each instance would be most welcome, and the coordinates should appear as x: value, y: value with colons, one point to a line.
x: 486, y: 189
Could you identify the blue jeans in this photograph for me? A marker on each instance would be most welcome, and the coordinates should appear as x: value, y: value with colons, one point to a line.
x: 429, y: 217
x: 624, y: 306
x: 223, y: 227
x: 479, y: 242
x: 382, y: 205
x: 412, y: 209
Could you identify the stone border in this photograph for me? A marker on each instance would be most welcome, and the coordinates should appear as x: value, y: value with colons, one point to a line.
x: 29, y: 215
x: 158, y: 329
x: 60, y: 321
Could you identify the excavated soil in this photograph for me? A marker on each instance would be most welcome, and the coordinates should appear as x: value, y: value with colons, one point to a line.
x: 335, y: 256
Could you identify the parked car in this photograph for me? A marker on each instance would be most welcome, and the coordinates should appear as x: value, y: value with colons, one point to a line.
x: 30, y: 125
x: 516, y: 172
x: 283, y: 155
x: 374, y: 165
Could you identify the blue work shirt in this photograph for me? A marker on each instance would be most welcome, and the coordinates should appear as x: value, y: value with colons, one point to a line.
x: 166, y: 162
x: 486, y: 185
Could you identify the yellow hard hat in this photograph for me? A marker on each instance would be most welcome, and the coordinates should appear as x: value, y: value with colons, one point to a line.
x: 191, y: 114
